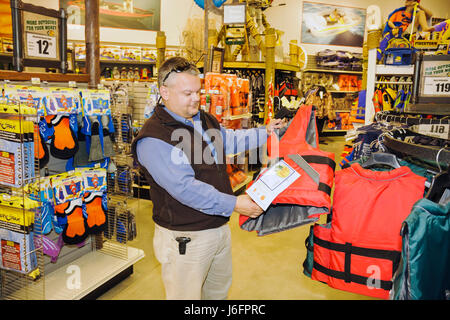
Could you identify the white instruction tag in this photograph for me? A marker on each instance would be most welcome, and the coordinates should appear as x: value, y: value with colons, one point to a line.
x: 271, y: 183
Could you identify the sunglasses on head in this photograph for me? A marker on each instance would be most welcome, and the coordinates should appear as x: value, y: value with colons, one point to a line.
x: 178, y: 69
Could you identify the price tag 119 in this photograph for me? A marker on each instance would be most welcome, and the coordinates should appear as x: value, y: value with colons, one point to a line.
x: 435, y: 130
x: 41, y: 46
x: 436, y: 86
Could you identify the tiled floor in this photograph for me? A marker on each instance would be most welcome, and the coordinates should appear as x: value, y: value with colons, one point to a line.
x: 268, y: 267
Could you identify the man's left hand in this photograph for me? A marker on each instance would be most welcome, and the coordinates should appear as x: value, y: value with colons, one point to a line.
x: 274, y: 124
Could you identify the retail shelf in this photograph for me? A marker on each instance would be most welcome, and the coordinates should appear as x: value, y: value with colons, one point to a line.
x: 138, y: 186
x: 43, y: 76
x: 286, y: 67
x: 429, y: 108
x: 255, y: 65
x: 332, y: 71
x: 94, y: 269
x: 382, y: 69
x: 394, y: 82
x: 241, y: 116
x: 243, y: 184
x: 120, y: 62
x: 132, y: 81
x: 342, y: 91
x: 231, y: 155
x: 328, y: 131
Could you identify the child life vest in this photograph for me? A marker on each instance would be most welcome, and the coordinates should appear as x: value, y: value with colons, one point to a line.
x: 359, y: 250
x: 305, y: 199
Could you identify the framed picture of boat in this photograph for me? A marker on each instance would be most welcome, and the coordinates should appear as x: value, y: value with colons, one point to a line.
x: 123, y: 14
x: 330, y: 24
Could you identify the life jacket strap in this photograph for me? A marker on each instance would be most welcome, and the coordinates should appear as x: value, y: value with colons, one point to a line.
x: 349, y: 250
x: 324, y: 188
x: 320, y: 160
x: 382, y: 284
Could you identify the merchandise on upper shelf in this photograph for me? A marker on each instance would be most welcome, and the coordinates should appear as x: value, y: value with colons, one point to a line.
x: 339, y: 60
x: 226, y: 97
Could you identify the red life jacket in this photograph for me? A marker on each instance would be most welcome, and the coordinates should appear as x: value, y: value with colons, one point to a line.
x: 304, y: 200
x: 360, y: 249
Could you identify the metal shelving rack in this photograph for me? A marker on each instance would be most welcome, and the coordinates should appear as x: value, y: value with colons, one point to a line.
x: 312, y: 67
x: 26, y: 283
x: 119, y: 227
x: 106, y: 257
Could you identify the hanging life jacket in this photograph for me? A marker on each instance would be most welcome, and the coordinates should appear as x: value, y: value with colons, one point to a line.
x: 359, y: 250
x: 423, y: 273
x: 305, y: 199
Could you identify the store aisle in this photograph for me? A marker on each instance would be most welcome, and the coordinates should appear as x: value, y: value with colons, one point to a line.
x: 268, y: 267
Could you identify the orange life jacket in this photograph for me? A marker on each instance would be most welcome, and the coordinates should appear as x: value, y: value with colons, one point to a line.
x: 304, y: 200
x: 360, y: 249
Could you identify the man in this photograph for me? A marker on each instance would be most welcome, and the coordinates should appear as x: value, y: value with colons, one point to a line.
x: 190, y: 189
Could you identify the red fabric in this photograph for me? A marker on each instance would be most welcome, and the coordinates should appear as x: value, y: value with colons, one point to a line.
x: 304, y: 191
x: 368, y: 210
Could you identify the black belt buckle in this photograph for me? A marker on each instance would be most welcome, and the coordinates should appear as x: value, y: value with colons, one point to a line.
x: 182, y: 244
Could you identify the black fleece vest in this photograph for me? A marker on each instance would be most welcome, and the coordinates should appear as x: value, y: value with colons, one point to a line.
x: 167, y: 211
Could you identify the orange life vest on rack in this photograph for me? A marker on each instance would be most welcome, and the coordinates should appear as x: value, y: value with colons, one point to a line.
x: 360, y: 249
x: 304, y: 200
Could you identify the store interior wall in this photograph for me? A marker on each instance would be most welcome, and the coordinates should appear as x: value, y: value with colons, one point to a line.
x: 284, y: 15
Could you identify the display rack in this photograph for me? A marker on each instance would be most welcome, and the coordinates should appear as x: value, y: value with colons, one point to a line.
x: 22, y: 260
x: 342, y: 97
x: 137, y: 93
x: 101, y: 261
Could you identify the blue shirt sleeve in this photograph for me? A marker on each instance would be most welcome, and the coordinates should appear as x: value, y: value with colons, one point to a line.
x: 236, y: 141
x: 170, y: 168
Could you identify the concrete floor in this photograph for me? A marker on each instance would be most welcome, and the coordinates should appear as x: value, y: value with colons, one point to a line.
x: 264, y: 268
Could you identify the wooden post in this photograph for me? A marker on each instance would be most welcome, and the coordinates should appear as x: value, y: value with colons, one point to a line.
x: 160, y: 50
x: 205, y: 38
x: 373, y: 40
x: 270, y: 67
x: 92, y: 35
x: 293, y: 52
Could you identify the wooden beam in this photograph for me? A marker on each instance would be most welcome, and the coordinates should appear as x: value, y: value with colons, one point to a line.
x: 92, y: 36
x: 44, y: 76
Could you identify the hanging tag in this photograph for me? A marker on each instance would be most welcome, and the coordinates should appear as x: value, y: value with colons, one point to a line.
x: 441, y: 131
x: 35, y: 81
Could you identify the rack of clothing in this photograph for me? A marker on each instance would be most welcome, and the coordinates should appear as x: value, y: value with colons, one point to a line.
x: 402, y: 173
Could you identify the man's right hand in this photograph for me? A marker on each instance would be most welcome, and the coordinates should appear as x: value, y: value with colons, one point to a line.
x: 246, y: 206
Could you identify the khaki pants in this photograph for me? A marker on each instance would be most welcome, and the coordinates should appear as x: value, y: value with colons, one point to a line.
x: 203, y: 272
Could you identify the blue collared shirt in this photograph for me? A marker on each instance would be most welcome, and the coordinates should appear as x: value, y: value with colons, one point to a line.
x: 178, y: 177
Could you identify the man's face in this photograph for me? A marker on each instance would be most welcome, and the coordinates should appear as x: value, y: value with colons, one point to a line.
x: 181, y: 94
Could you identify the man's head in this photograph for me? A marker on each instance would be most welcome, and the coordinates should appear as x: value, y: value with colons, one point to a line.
x: 409, y: 3
x: 179, y: 86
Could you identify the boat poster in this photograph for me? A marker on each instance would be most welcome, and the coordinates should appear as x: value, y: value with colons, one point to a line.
x: 123, y: 14
x: 329, y: 24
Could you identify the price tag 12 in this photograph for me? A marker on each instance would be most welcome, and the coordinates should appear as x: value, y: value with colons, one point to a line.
x: 437, y: 86
x: 41, y: 46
